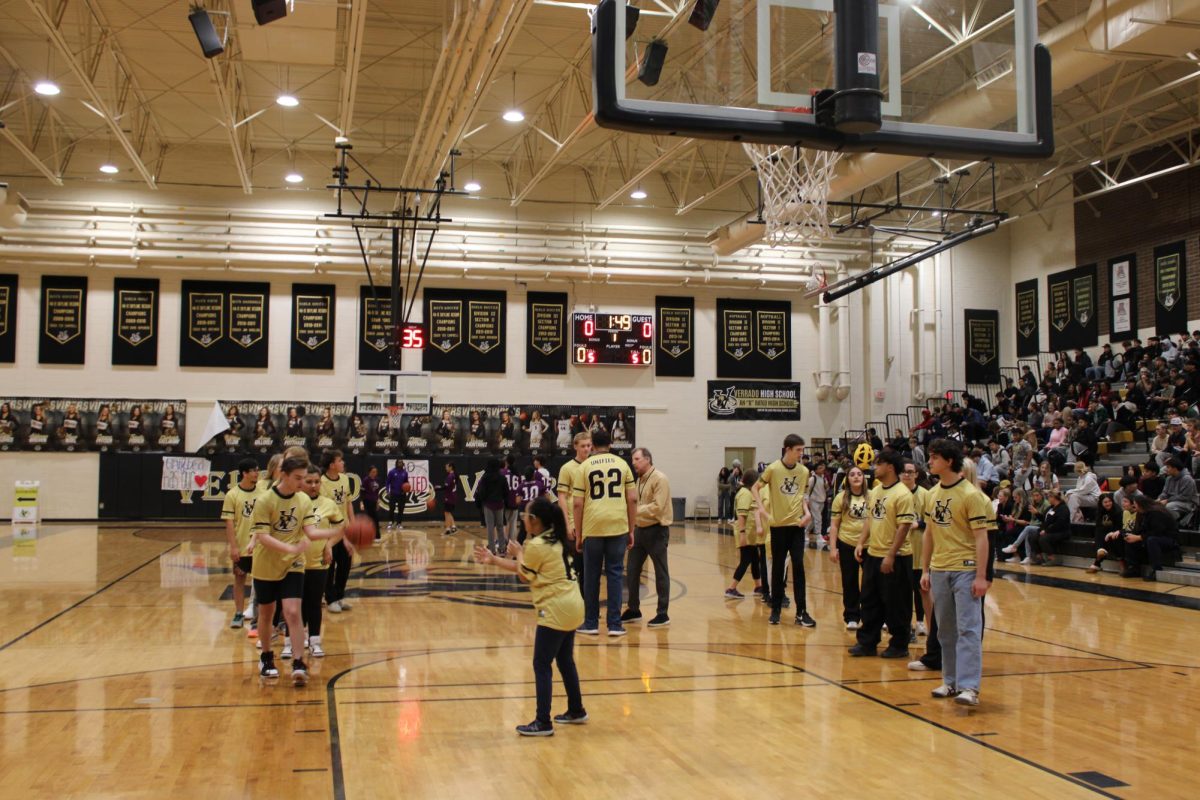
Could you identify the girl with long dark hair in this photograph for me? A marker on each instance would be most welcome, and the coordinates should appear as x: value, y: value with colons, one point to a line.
x: 545, y: 565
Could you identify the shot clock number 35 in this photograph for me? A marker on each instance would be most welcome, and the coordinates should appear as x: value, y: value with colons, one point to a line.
x: 621, y: 339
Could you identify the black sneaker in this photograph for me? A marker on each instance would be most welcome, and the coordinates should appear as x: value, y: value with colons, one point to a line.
x: 859, y: 651
x: 805, y: 621
x: 267, y: 666
x: 631, y: 616
x: 299, y: 673
x: 660, y: 621
x: 572, y: 718
x: 774, y: 620
x: 536, y: 728
x: 787, y: 603
x: 892, y: 652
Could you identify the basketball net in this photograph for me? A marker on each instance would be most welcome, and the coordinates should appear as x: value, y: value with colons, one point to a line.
x: 395, y: 418
x: 795, y: 190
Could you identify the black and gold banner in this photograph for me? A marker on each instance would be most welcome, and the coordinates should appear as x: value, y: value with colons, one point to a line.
x: 1028, y: 325
x: 466, y: 331
x: 135, y: 322
x: 376, y: 335
x: 1170, y: 289
x: 676, y: 337
x: 546, y: 329
x: 224, y: 324
x: 8, y: 319
x: 64, y: 320
x: 753, y: 400
x: 1074, y: 317
x: 1122, y: 297
x: 754, y: 339
x: 313, y: 317
x: 983, y: 345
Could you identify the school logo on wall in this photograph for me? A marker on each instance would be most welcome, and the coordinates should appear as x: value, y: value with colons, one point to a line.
x: 722, y: 402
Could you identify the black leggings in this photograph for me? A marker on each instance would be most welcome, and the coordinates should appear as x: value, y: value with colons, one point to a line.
x: 549, y: 647
x: 787, y: 540
x: 310, y: 604
x: 339, y: 573
x: 763, y: 569
x: 851, y: 598
x: 749, y: 559
x: 918, y: 605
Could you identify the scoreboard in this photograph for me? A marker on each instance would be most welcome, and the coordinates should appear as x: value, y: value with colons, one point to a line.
x: 622, y: 339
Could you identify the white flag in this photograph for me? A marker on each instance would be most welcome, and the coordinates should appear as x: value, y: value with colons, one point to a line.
x: 217, y: 424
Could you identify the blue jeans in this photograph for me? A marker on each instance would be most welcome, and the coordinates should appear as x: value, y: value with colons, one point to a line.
x: 611, y: 551
x: 960, y: 628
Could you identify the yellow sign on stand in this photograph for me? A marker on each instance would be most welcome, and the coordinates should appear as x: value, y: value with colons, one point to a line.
x: 25, y: 504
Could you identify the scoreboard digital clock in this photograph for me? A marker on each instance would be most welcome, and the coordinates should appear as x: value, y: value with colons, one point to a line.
x: 626, y: 339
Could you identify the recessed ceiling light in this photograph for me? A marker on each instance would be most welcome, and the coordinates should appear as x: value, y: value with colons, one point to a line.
x: 1096, y: 163
x: 472, y: 186
x: 109, y: 169
x: 287, y: 100
x: 638, y: 194
x: 294, y: 177
x: 47, y: 88
x: 513, y: 115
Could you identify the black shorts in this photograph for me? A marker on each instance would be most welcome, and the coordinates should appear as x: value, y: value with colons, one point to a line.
x: 291, y: 587
x: 245, y: 564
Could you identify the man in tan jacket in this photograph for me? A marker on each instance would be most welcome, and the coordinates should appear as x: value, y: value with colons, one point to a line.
x: 649, y: 539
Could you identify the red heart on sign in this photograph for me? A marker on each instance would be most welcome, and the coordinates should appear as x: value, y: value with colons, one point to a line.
x: 201, y: 480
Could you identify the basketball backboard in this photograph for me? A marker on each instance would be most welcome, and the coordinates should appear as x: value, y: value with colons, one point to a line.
x: 953, y: 78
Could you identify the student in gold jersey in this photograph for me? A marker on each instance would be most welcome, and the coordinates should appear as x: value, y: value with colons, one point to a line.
x: 955, y: 557
x: 887, y: 561
x: 545, y: 565
x: 749, y: 533
x: 568, y: 477
x: 282, y: 525
x: 785, y: 480
x: 236, y: 510
x: 330, y: 521
x: 605, y: 515
x: 336, y: 486
x: 845, y: 527
x: 912, y: 478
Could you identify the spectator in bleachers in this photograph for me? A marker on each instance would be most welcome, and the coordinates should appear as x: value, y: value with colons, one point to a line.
x: 1013, y: 519
x: 1037, y: 508
x: 985, y: 471
x: 1083, y: 442
x: 1176, y: 443
x: 1128, y: 485
x: 1154, y: 540
x: 1103, y: 366
x: 1056, y: 527
x: 1000, y: 460
x: 1044, y: 478
x: 917, y: 451
x: 1192, y: 449
x: 1179, y: 490
x: 1151, y: 483
x: 1086, y: 492
x: 1108, y: 528
x: 1057, y: 443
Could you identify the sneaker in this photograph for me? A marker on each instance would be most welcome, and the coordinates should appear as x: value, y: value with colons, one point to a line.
x: 299, y: 673
x: 805, y: 621
x: 944, y: 691
x: 334, y: 608
x: 733, y: 594
x: 1010, y: 549
x: 453, y: 529
x: 631, y: 616
x: 617, y: 631
x: 345, y: 604
x: 287, y: 651
x: 967, y: 697
x: 853, y: 625
x: 921, y: 630
x: 572, y: 718
x: 1101, y: 554
x: 314, y: 647
x: 918, y: 666
x: 267, y: 666
x: 239, y: 619
x: 252, y: 633
x: 763, y: 596
x: 536, y: 728
x: 912, y: 635
x: 1093, y: 568
x: 774, y: 619
x: 825, y: 545
x: 812, y: 545
x: 659, y: 621
x: 586, y: 631
x: 787, y: 603
x: 1026, y: 561
x: 860, y: 651
x: 1150, y: 577
x: 447, y: 532
x: 892, y: 652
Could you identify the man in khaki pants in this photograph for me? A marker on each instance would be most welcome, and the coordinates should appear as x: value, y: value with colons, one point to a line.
x: 649, y: 539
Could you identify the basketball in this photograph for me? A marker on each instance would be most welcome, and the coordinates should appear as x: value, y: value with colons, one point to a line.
x: 360, y: 532
x: 864, y: 456
x: 524, y: 417
x: 431, y: 503
x: 406, y: 488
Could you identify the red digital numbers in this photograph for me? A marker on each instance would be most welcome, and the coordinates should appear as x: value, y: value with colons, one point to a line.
x: 647, y: 330
x: 635, y: 357
x: 412, y: 337
x: 589, y: 327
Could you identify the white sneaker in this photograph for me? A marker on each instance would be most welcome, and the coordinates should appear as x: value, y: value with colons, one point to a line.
x: 943, y: 691
x: 853, y: 625
x: 314, y: 647
x: 1026, y: 560
x: 1009, y: 550
x: 918, y: 666
x: 345, y: 604
x: 287, y: 650
x: 921, y: 631
x: 967, y: 697
x: 334, y: 608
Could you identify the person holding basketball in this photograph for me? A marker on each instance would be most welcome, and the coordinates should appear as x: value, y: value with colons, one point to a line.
x: 545, y: 565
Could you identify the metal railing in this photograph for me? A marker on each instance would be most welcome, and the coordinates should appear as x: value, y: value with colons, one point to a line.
x: 897, y: 422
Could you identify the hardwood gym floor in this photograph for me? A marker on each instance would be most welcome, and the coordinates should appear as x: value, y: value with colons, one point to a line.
x: 119, y: 677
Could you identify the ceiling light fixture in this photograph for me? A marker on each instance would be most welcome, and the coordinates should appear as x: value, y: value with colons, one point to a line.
x: 46, y: 88
x: 472, y: 186
x: 109, y: 169
x: 287, y: 101
x: 294, y: 177
x: 513, y: 115
x: 638, y: 194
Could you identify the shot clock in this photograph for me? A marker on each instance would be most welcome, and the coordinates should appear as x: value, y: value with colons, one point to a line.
x: 621, y: 339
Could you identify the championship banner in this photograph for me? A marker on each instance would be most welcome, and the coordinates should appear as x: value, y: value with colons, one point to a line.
x: 8, y: 319
x: 64, y: 320
x: 313, y: 321
x: 982, y: 328
x: 135, y: 322
x: 224, y: 324
x: 1028, y: 324
x: 754, y: 339
x: 1170, y: 289
x: 546, y: 333
x: 467, y: 331
x: 676, y: 337
x: 47, y: 424
x: 753, y: 400
x: 1122, y: 297
x: 1074, y: 318
x: 376, y: 335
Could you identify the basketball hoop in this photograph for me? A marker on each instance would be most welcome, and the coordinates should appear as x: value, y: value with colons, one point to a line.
x: 795, y: 190
x: 395, y: 417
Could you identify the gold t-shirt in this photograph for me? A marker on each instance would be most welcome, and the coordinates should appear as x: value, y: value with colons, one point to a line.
x: 889, y: 507
x: 327, y: 516
x: 787, y: 485
x: 952, y: 514
x: 284, y: 519
x: 239, y: 507
x: 744, y: 506
x: 849, y: 510
x: 556, y: 597
x: 605, y: 481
